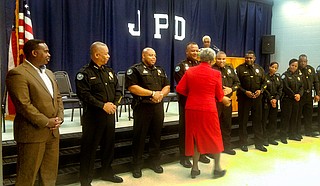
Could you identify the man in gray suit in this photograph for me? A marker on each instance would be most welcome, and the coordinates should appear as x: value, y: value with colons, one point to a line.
x: 39, y: 114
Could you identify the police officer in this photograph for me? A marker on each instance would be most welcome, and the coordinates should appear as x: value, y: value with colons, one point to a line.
x: 292, y: 92
x: 318, y: 76
x: 230, y: 84
x: 97, y: 88
x: 252, y: 85
x: 148, y: 85
x: 271, y: 97
x: 192, y: 50
x: 310, y: 81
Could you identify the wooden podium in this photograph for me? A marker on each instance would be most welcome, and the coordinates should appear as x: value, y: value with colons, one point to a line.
x: 234, y: 62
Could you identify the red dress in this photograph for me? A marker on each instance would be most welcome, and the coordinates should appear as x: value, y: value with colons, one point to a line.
x: 203, y: 87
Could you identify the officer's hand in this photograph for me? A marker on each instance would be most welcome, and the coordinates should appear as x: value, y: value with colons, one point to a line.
x: 226, y: 90
x: 297, y: 97
x: 257, y: 93
x: 157, y: 98
x: 226, y: 101
x: 54, y: 123
x: 316, y: 98
x: 273, y: 103
x: 109, y: 108
x: 249, y: 94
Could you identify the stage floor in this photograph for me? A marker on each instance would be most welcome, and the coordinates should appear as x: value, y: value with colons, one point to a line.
x: 74, y: 126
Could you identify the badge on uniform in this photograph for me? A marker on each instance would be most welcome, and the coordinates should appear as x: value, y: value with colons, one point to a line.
x: 309, y: 70
x: 80, y: 76
x: 159, y: 72
x: 186, y: 66
x: 229, y: 71
x: 145, y: 71
x: 177, y: 69
x: 283, y: 76
x: 110, y: 75
x: 298, y: 78
x: 257, y: 71
x: 129, y: 71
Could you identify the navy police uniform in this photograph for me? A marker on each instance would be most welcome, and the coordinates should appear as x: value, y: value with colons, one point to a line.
x: 269, y: 114
x: 318, y: 76
x: 229, y: 79
x: 252, y: 78
x: 180, y: 70
x: 292, y: 84
x: 310, y: 82
x: 147, y: 115
x: 96, y: 86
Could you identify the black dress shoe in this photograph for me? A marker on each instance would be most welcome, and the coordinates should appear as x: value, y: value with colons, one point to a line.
x: 284, y: 141
x: 210, y: 156
x: 136, y: 173
x: 185, y: 162
x: 311, y: 134
x: 194, y: 173
x: 261, y: 148
x: 273, y: 142
x: 229, y: 151
x: 244, y: 148
x: 113, y: 178
x: 266, y: 143
x: 299, y: 136
x: 156, y: 168
x: 219, y: 174
x: 204, y: 159
x: 294, y: 138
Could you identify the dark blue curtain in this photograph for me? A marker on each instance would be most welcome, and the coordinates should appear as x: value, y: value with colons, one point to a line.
x: 70, y: 26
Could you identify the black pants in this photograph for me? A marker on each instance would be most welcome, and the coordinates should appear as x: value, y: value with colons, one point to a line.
x: 148, y: 118
x: 319, y: 116
x: 97, y: 129
x: 182, y: 128
x: 305, y: 113
x: 269, y: 121
x: 225, y: 118
x: 289, y: 116
x: 245, y: 105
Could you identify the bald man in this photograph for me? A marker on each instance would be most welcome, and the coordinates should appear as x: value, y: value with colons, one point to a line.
x: 98, y: 89
x: 148, y: 85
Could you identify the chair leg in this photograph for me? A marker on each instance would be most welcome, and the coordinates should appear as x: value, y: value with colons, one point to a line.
x: 4, y: 122
x: 72, y: 112
x: 168, y: 104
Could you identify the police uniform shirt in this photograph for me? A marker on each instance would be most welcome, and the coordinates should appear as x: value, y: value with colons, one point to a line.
x: 151, y: 78
x: 182, y: 67
x: 274, y: 87
x: 309, y: 79
x: 97, y: 85
x: 229, y: 77
x: 292, y: 83
x: 251, y: 78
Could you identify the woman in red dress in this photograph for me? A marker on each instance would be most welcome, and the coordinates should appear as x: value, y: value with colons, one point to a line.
x: 203, y: 87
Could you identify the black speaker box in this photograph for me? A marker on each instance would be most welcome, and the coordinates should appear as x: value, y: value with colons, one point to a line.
x: 268, y: 44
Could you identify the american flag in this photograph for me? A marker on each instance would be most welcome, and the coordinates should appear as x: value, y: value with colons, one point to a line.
x: 21, y: 33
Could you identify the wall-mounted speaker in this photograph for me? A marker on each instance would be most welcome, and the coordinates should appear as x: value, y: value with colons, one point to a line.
x: 268, y: 44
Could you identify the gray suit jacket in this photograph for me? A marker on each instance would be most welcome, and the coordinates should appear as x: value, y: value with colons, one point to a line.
x: 33, y: 103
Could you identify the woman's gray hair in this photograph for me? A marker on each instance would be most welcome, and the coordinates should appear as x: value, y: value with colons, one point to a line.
x: 207, y: 54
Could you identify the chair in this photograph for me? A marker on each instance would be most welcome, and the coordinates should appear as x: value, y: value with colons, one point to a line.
x: 68, y: 96
x: 126, y: 95
x: 170, y: 97
x: 3, y: 109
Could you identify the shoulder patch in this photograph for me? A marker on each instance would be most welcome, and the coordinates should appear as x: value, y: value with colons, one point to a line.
x: 129, y: 71
x: 177, y: 69
x: 80, y: 76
